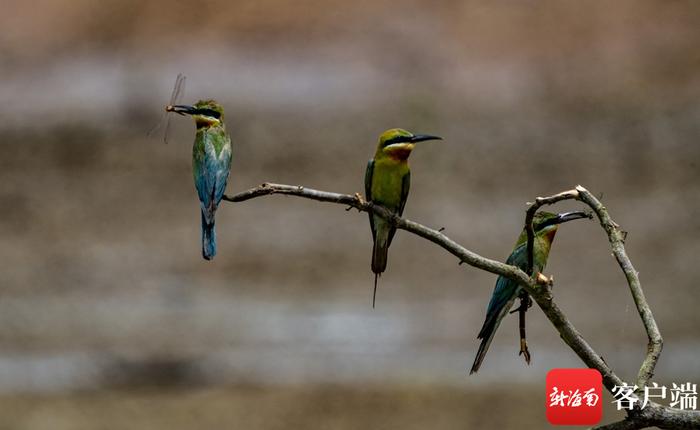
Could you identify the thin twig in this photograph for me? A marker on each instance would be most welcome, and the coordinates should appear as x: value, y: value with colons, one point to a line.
x: 525, y: 303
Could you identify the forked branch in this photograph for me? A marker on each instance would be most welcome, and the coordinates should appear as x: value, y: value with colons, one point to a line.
x: 538, y: 286
x: 616, y: 237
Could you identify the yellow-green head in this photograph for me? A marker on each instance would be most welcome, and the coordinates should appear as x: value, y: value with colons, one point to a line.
x: 398, y: 143
x: 206, y: 113
x: 545, y: 224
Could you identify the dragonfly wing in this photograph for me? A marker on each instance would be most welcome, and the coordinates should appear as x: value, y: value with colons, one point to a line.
x: 175, y: 97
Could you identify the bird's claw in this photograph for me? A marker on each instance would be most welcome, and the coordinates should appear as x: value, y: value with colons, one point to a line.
x: 360, y: 202
x: 544, y: 280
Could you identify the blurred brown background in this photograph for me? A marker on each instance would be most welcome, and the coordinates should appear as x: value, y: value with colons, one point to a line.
x: 109, y: 318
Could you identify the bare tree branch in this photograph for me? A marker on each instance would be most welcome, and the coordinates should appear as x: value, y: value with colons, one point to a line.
x: 617, y: 239
x: 656, y: 415
x: 539, y: 287
x: 625, y: 424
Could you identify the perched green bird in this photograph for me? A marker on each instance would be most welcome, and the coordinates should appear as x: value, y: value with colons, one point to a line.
x: 545, y: 225
x: 211, y: 163
x: 387, y: 181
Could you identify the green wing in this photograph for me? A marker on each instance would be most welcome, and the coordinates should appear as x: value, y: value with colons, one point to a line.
x: 405, y: 186
x: 502, y: 299
x: 368, y: 193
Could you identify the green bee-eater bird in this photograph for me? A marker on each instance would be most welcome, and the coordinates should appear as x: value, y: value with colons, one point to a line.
x: 545, y: 225
x: 387, y: 181
x: 211, y: 163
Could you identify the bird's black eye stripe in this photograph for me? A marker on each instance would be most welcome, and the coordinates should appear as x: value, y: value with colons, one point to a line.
x: 546, y: 223
x: 398, y: 139
x: 209, y: 112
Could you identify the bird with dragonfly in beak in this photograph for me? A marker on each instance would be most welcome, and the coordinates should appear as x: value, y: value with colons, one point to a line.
x: 211, y: 163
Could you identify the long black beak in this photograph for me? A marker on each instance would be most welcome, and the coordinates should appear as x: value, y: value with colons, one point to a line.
x: 570, y: 216
x: 423, y: 137
x: 181, y: 109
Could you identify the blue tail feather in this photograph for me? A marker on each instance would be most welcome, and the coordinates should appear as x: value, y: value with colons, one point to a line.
x: 208, y: 239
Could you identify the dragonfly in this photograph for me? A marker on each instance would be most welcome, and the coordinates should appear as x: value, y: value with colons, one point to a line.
x: 175, y: 98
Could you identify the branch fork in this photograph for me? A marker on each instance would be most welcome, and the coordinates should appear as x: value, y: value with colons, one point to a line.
x: 539, y: 287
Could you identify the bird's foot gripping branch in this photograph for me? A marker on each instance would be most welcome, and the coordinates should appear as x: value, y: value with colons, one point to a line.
x: 538, y: 286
